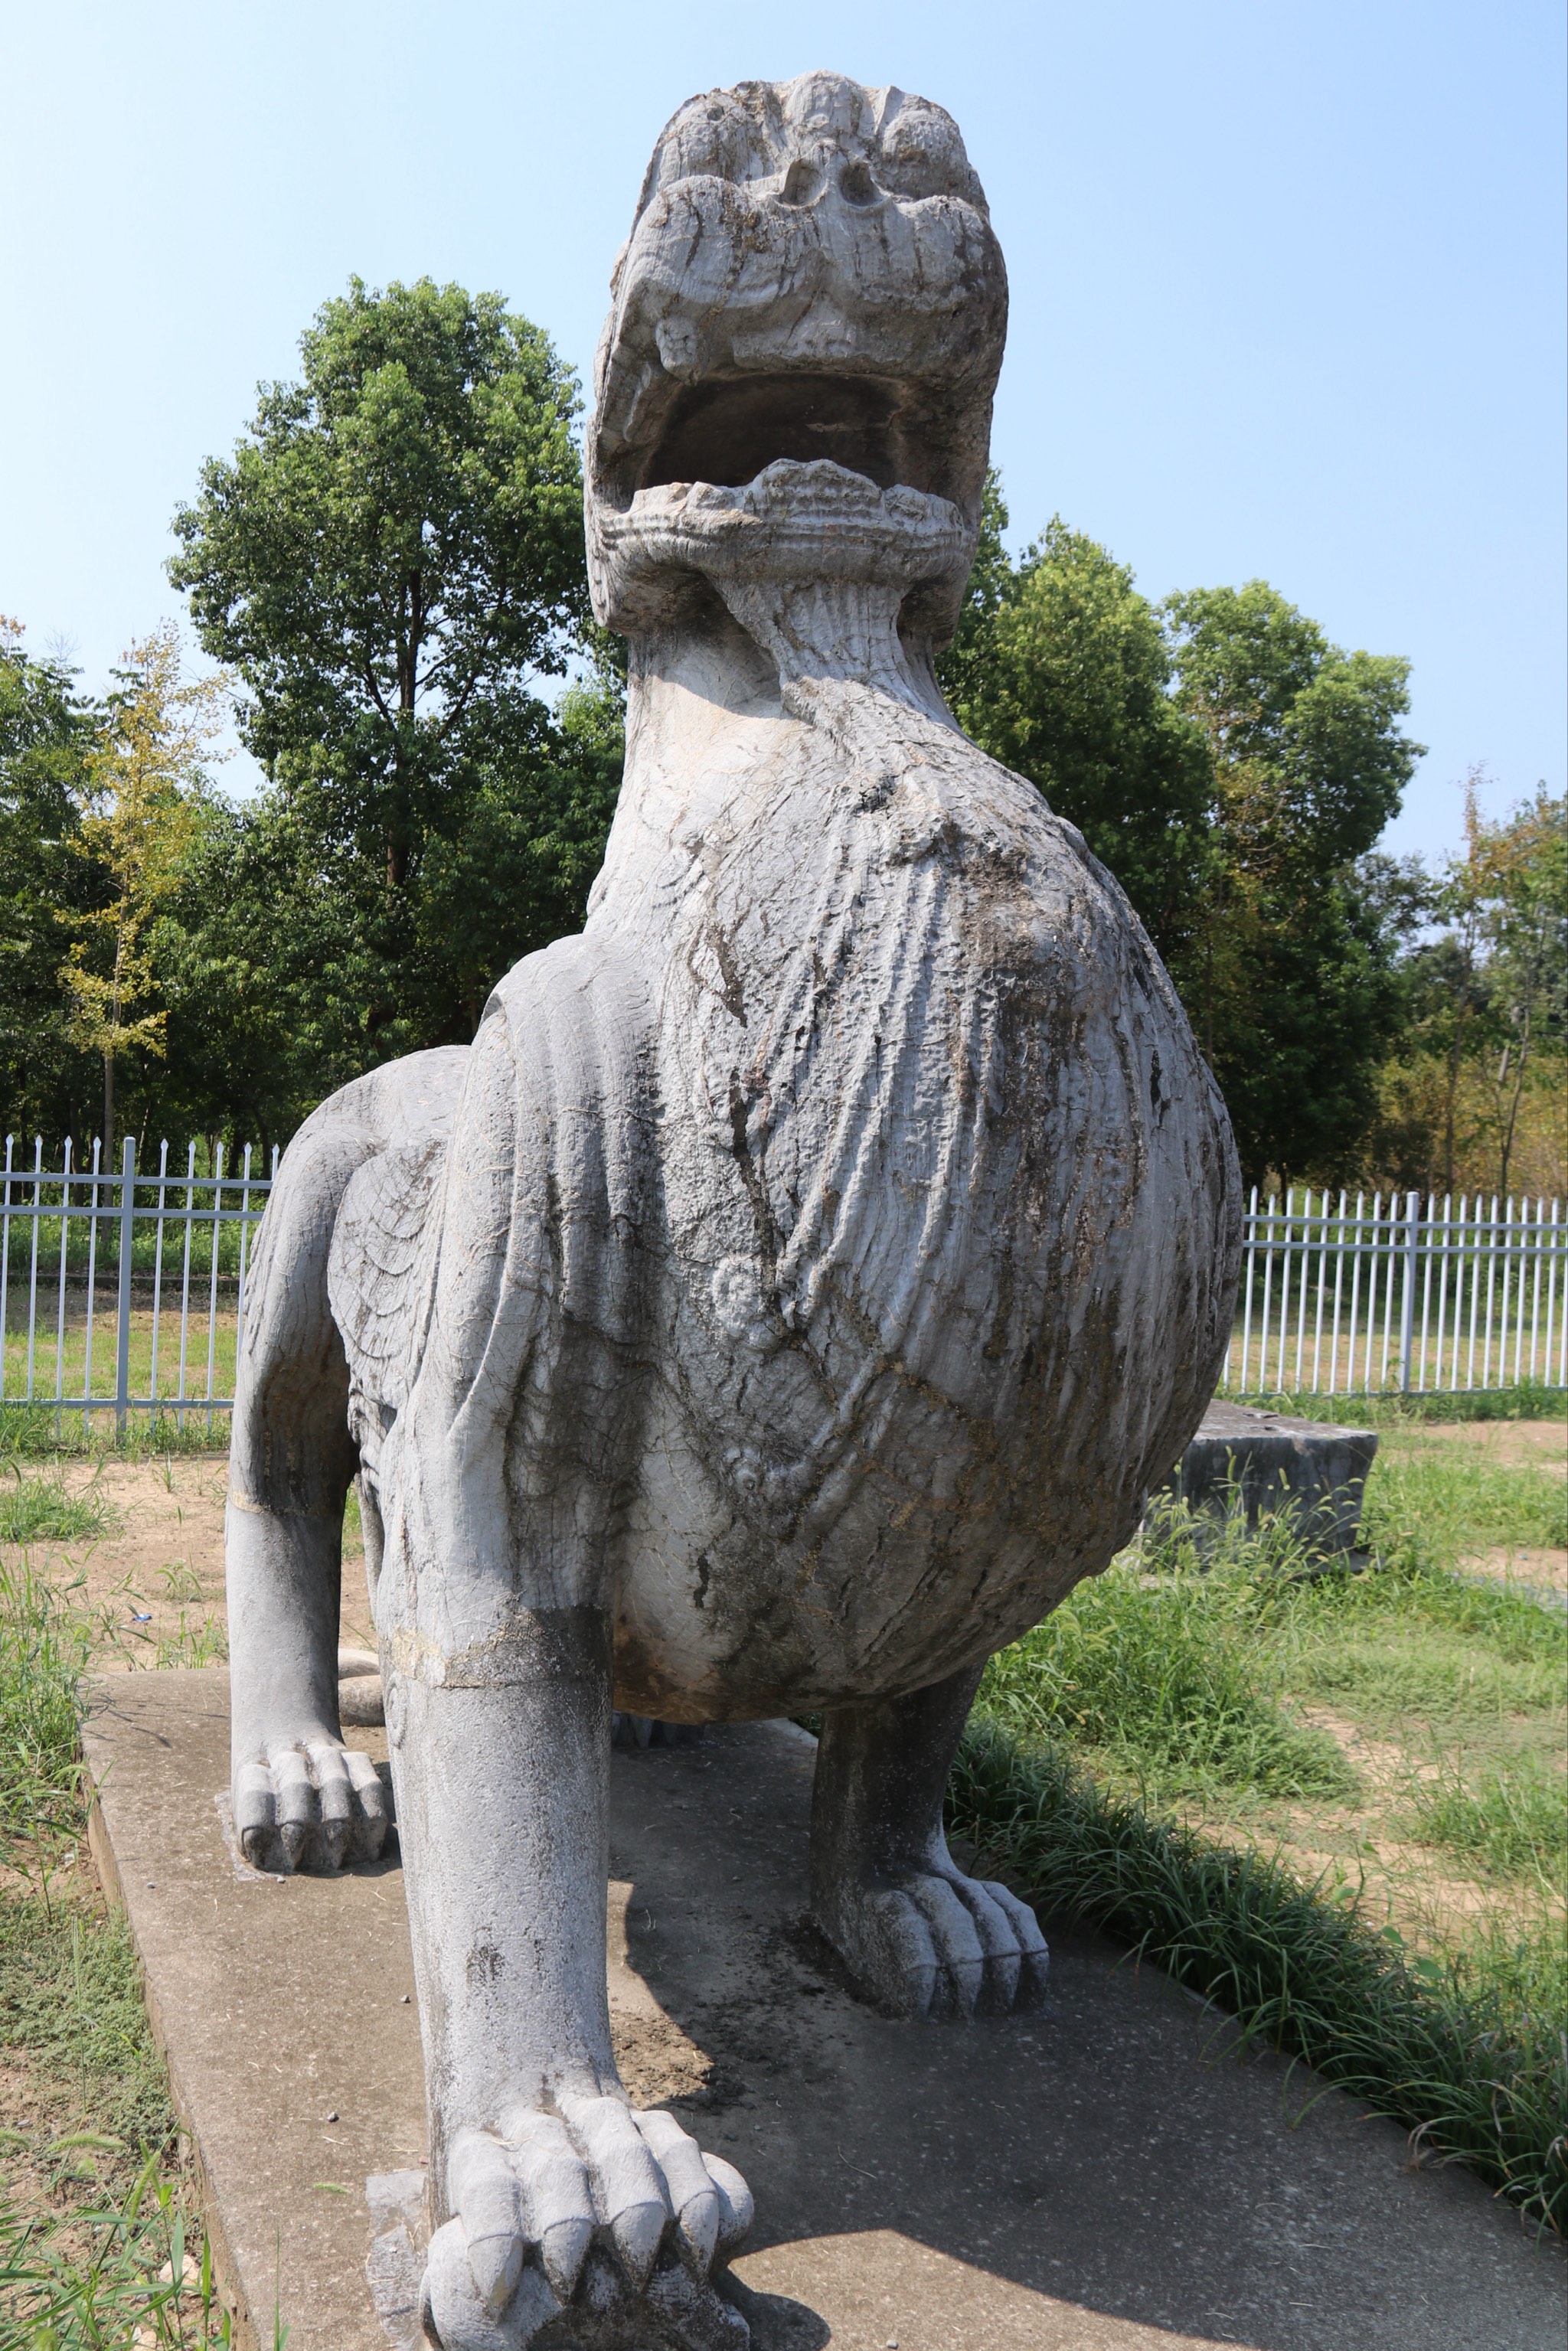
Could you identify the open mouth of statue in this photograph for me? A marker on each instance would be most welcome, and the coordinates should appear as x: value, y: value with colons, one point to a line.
x: 728, y: 430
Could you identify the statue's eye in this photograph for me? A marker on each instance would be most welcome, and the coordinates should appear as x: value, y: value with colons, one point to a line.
x: 923, y: 154
x: 707, y: 142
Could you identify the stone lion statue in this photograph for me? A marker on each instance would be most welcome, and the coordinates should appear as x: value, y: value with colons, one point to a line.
x: 795, y: 1287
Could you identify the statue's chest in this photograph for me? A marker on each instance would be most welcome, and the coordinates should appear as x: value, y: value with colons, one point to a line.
x: 849, y: 1035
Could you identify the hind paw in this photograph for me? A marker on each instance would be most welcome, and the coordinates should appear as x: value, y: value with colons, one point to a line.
x: 937, y: 1943
x: 312, y: 1804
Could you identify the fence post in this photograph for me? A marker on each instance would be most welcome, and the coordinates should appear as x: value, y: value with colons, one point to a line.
x: 122, y: 1348
x: 1407, y: 1303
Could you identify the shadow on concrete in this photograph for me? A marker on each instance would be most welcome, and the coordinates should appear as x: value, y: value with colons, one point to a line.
x: 1108, y: 2171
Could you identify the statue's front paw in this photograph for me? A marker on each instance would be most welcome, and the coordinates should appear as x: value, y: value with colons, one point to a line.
x: 313, y: 1804
x: 615, y: 2216
x: 941, y: 1944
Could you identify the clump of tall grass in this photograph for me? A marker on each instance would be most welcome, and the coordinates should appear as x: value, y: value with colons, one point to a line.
x: 1409, y: 1638
x: 1168, y: 1669
x: 43, y: 1643
x: 1461, y: 1503
x: 1470, y: 2053
x: 1510, y: 1815
x: 40, y: 1509
x: 140, y: 2283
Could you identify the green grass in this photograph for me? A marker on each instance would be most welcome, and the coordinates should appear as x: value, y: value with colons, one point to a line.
x: 1410, y: 1637
x: 39, y: 1432
x: 1510, y: 1816
x: 84, y: 2277
x: 130, y: 2287
x: 1123, y: 1757
x: 70, y: 1995
x: 1470, y: 2053
x: 1530, y: 1400
x: 1173, y: 1680
x: 44, y: 1643
x: 40, y: 1510
x: 1461, y: 1504
x: 1176, y: 1670
x: 69, y: 1369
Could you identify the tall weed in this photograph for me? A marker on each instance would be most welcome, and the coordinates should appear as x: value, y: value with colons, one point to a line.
x: 140, y: 2283
x: 1509, y: 1816
x: 40, y: 1510
x: 1169, y: 1667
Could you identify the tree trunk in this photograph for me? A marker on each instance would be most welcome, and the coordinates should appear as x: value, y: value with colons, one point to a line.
x: 108, y: 1110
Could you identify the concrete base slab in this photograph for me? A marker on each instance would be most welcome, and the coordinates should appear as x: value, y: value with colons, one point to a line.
x: 1101, y: 2178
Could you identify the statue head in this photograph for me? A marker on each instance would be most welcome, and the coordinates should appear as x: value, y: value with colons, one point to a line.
x: 811, y: 302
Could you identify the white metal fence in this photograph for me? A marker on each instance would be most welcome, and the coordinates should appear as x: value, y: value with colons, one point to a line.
x: 1400, y: 1293
x: 123, y: 1293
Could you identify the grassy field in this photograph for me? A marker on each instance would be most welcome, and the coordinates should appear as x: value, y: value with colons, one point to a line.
x: 99, y: 2248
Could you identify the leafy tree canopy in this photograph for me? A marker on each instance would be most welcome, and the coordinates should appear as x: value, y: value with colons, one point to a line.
x: 47, y: 733
x: 390, y: 560
x: 1290, y: 974
x: 393, y: 547
x: 139, y: 817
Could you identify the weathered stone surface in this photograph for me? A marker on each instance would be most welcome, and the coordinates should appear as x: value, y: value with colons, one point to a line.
x: 1268, y: 1463
x: 1098, y: 2177
x: 793, y: 1292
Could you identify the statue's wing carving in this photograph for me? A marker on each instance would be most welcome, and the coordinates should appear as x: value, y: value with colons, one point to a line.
x: 376, y: 1283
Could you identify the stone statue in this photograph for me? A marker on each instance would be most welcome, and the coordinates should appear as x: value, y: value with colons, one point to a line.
x: 798, y: 1285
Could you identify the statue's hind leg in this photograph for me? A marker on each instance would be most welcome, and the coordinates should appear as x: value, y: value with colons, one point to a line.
x: 301, y: 1797
x: 918, y: 1934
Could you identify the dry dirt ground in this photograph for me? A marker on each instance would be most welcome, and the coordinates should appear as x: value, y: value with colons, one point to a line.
x: 154, y: 1580
x: 1513, y: 1444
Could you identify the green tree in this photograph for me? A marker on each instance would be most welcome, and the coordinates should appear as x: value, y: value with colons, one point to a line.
x: 1515, y: 875
x: 1288, y: 975
x: 390, y: 560
x: 140, y: 817
x: 1060, y: 670
x: 272, y: 950
x: 47, y: 733
x: 1232, y: 768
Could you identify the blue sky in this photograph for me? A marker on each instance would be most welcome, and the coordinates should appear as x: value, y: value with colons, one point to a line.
x: 1287, y: 279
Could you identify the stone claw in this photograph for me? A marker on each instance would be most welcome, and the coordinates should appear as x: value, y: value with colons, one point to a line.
x: 940, y: 1944
x: 596, y: 2209
x: 312, y: 1804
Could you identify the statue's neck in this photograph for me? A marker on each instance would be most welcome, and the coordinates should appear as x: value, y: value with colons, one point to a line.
x: 827, y: 651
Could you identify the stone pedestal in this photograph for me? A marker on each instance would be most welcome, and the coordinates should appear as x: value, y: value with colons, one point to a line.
x: 1096, y: 2178
x: 1312, y: 1472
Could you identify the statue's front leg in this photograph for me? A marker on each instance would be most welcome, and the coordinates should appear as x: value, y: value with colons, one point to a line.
x: 493, y: 1618
x: 560, y: 2195
x: 886, y: 1892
